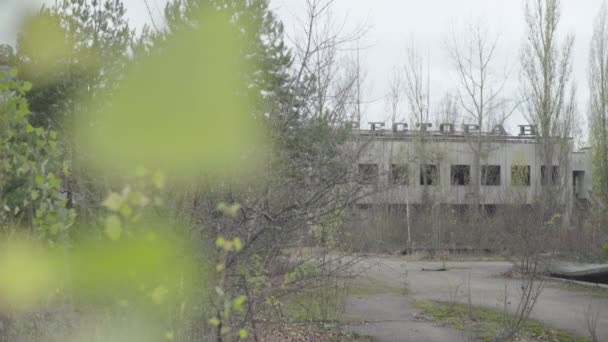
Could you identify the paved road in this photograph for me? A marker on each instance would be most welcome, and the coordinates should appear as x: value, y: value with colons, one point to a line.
x: 390, y: 318
x: 557, y: 307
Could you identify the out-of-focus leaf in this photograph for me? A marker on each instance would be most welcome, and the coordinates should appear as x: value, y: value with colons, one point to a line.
x: 158, y: 180
x: 238, y: 302
x: 158, y: 294
x: 113, y: 202
x: 243, y: 334
x: 183, y: 108
x: 113, y: 227
x: 135, y: 266
x: 27, y: 274
x: 44, y: 43
x: 238, y: 245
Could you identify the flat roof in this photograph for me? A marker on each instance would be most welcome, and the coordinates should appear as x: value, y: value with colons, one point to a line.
x: 440, y: 136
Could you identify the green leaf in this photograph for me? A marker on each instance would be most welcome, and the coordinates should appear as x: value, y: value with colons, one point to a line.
x: 29, y: 128
x: 214, y: 321
x: 243, y: 334
x: 138, y: 199
x: 141, y: 171
x: 113, y: 202
x: 39, y: 180
x: 51, y: 216
x: 113, y: 227
x: 53, y: 180
x: 238, y: 302
x: 126, y: 211
x: 158, y: 294
x: 158, y: 180
x: 196, y: 138
x: 54, y: 229
x: 238, y: 245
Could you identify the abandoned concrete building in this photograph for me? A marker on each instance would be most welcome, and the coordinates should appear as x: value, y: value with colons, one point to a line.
x: 415, y: 166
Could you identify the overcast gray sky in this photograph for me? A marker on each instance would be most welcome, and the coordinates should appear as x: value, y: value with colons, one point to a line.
x: 394, y: 23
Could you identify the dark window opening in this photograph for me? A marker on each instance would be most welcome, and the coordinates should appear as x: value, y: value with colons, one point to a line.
x: 490, y: 175
x: 399, y: 174
x: 578, y: 178
x: 546, y: 179
x: 520, y: 175
x: 429, y: 175
x: 489, y: 209
x: 460, y: 174
x: 368, y: 173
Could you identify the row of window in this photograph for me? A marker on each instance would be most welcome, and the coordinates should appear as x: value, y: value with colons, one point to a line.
x: 460, y: 174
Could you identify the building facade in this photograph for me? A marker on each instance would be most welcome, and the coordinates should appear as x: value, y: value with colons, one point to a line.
x: 401, y: 166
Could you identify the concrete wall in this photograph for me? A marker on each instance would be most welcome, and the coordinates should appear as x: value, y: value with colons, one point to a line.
x: 384, y: 148
x: 582, y: 168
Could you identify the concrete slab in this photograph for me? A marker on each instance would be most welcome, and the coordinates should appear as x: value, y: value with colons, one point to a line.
x: 578, y: 271
x: 390, y: 318
x: 558, y: 306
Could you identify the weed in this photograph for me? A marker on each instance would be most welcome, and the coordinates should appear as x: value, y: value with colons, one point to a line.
x: 486, y: 323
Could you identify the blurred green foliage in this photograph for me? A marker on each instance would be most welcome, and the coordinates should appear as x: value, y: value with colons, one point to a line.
x: 108, y: 108
x: 27, y: 274
x: 30, y: 167
x: 71, y: 52
x: 182, y: 108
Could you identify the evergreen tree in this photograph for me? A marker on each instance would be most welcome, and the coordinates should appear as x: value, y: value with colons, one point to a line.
x: 263, y: 45
x: 95, y: 37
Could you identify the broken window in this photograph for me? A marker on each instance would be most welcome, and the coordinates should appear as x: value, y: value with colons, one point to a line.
x: 368, y: 173
x: 461, y: 174
x: 399, y: 174
x: 429, y: 174
x: 490, y: 175
x: 546, y: 179
x: 520, y: 175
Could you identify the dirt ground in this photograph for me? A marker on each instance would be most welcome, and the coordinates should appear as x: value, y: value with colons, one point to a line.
x: 390, y: 317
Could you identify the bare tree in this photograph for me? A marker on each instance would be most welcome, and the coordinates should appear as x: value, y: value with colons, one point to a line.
x: 317, y: 60
x: 448, y: 109
x: 548, y: 91
x: 425, y: 155
x: 417, y: 87
x: 394, y: 105
x: 479, y: 88
x: 302, y: 197
x: 591, y: 313
x: 548, y: 98
x: 417, y: 93
x: 394, y: 98
x: 598, y: 102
